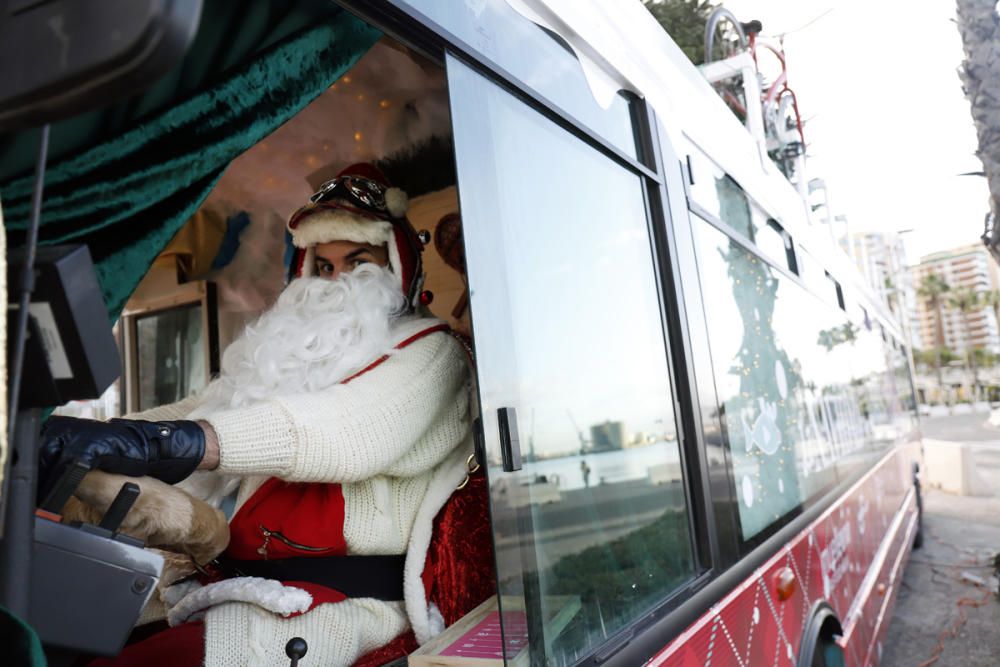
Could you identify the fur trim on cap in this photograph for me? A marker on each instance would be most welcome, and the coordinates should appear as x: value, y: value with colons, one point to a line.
x: 265, y: 593
x: 329, y: 225
x: 396, y: 202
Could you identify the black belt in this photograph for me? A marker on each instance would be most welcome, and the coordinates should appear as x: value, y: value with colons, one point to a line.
x: 379, y: 577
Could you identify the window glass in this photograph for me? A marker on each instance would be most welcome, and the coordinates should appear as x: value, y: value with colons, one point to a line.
x: 716, y: 192
x: 873, y: 386
x: 538, y: 58
x: 812, y: 273
x: 833, y: 290
x: 171, y: 355
x: 775, y: 242
x: 904, y: 391
x: 594, y: 530
x: 786, y: 379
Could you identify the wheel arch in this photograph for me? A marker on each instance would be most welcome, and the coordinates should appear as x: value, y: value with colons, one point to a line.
x: 823, y: 623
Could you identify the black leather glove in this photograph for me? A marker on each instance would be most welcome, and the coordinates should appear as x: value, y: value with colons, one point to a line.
x: 169, y: 450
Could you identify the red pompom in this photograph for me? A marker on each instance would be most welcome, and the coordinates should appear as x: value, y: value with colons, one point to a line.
x: 426, y: 297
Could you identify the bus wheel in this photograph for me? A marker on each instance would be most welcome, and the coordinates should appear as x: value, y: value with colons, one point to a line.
x: 819, y: 647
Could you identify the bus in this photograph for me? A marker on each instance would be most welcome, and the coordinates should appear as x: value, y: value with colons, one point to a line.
x: 695, y: 419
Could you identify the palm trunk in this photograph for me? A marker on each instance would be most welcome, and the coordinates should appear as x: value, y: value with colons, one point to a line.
x: 939, y: 345
x: 975, y: 377
x: 970, y: 357
x: 980, y: 74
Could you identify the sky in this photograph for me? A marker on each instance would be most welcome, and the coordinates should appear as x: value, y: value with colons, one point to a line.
x: 888, y: 126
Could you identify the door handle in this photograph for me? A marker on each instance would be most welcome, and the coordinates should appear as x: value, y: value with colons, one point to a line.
x: 510, y: 441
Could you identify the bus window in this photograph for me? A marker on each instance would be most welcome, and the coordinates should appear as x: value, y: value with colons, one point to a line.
x: 873, y: 385
x: 777, y: 243
x: 866, y: 319
x: 810, y: 270
x: 906, y: 403
x: 538, y: 58
x: 718, y: 194
x: 784, y: 376
x: 838, y: 292
x: 568, y: 331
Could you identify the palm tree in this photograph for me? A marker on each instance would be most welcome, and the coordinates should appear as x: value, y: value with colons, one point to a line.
x: 685, y: 21
x: 932, y: 288
x: 966, y: 300
x: 992, y: 299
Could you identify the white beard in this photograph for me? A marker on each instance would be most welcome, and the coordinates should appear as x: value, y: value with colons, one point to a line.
x: 319, y: 333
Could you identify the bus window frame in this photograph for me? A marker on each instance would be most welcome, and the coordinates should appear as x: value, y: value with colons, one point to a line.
x: 838, y: 291
x: 790, y: 257
x: 683, y: 381
x: 746, y: 546
x: 749, y: 245
x: 753, y: 553
x: 430, y: 39
x: 669, y: 214
x: 408, y: 25
x: 658, y: 220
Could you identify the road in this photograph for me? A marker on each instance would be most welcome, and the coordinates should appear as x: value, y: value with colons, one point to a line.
x: 960, y: 428
x: 962, y: 535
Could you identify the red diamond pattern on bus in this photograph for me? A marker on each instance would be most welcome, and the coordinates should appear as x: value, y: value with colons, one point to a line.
x: 751, y: 627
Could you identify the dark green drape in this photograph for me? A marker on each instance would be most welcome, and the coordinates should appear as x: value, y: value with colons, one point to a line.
x: 20, y: 643
x: 128, y: 195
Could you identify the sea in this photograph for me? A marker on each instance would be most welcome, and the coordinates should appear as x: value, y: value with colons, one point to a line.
x: 609, y: 467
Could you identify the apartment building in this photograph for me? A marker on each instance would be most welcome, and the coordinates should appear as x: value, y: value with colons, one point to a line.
x: 969, y: 266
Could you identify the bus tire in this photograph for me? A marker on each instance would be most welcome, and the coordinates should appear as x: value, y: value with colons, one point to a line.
x: 819, y: 647
x: 918, y: 536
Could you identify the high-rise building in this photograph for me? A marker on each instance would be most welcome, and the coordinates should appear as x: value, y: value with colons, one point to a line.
x: 969, y: 266
x: 607, y: 436
x: 881, y: 258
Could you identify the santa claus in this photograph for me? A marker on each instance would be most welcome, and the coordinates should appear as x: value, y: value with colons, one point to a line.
x: 340, y: 422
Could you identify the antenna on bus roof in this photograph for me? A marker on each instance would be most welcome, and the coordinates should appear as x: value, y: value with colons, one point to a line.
x: 782, y: 35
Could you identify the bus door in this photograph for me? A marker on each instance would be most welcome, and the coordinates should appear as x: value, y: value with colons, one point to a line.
x: 590, y: 515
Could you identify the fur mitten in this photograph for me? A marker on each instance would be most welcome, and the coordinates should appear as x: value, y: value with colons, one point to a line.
x: 185, y: 529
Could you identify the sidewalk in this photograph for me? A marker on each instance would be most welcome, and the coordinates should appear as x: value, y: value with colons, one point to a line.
x: 961, y: 535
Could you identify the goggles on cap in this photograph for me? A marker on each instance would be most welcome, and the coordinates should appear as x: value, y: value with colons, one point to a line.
x: 358, y: 190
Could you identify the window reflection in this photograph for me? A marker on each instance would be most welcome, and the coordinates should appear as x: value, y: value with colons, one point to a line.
x: 568, y: 330
x: 807, y: 394
x: 717, y: 192
x: 906, y: 402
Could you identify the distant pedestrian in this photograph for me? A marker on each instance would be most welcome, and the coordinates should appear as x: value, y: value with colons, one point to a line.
x: 585, y: 470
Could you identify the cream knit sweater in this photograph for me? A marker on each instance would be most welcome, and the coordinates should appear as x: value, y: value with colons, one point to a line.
x: 396, y: 438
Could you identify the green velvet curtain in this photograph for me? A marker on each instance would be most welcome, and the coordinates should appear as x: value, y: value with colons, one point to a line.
x: 20, y: 642
x: 157, y: 156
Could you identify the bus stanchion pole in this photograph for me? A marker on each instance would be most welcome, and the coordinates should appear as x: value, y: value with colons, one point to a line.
x: 17, y: 533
